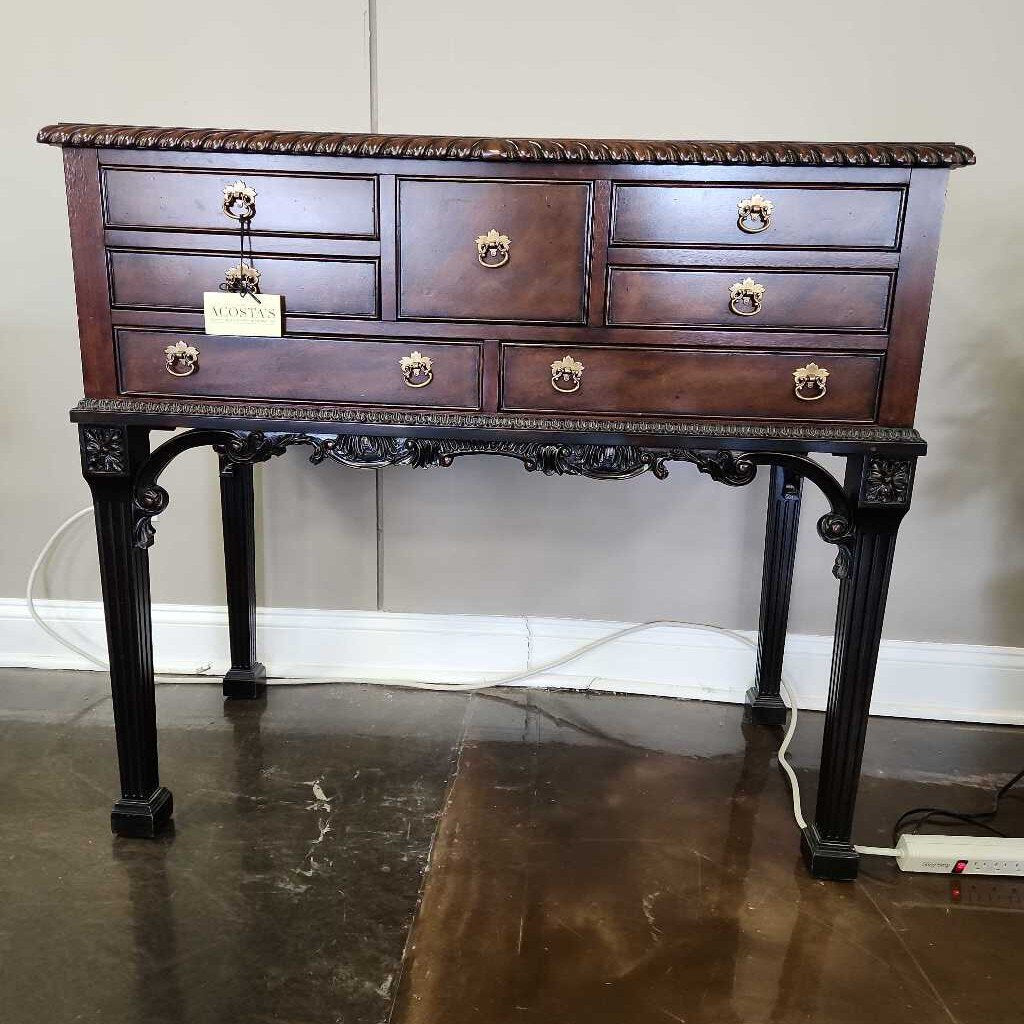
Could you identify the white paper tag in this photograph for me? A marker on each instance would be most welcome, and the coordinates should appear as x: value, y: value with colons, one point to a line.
x: 231, y: 313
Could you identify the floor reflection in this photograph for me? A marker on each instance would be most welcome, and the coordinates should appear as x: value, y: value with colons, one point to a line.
x: 595, y: 859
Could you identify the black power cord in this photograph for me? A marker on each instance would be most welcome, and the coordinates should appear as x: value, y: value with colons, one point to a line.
x: 920, y: 816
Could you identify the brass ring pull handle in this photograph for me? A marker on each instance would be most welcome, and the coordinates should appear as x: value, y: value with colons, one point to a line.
x: 809, y: 382
x: 181, y: 359
x: 492, y: 249
x: 755, y: 214
x: 746, y: 297
x: 239, y: 201
x: 417, y: 370
x: 566, y: 375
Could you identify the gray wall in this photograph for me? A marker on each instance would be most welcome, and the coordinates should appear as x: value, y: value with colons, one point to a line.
x: 484, y: 536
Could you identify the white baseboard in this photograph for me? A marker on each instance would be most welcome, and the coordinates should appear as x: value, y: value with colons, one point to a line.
x: 954, y: 682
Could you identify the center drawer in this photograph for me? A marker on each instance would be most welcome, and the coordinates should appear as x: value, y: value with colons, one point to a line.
x: 407, y: 373
x: 760, y: 385
x: 493, y: 250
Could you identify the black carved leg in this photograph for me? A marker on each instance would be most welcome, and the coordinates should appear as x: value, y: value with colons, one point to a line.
x: 764, y: 701
x: 246, y: 677
x: 878, y: 490
x: 111, y: 455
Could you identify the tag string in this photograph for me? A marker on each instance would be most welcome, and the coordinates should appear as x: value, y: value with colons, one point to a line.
x: 245, y: 285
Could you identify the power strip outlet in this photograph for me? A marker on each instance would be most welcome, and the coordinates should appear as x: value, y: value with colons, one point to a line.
x: 961, y: 855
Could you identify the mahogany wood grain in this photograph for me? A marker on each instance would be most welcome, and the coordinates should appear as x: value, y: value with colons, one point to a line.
x: 673, y: 383
x: 340, y: 288
x: 85, y: 217
x: 387, y: 189
x: 913, y: 297
x: 440, y: 275
x: 708, y: 257
x: 837, y: 218
x: 292, y: 204
x: 212, y: 241
x: 330, y: 221
x: 301, y: 369
x: 706, y: 337
x: 699, y: 298
x: 598, y: 278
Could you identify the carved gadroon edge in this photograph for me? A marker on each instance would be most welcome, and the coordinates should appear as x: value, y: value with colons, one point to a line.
x: 450, y: 147
x: 598, y: 462
x: 502, y: 421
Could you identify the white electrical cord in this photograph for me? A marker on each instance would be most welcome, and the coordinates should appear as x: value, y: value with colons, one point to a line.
x: 515, y: 677
x: 30, y: 586
x: 794, y: 785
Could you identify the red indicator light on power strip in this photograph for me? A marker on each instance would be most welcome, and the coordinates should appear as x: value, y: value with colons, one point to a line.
x: 959, y: 867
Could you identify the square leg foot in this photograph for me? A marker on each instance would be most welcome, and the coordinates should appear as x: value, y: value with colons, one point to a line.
x: 142, y: 819
x: 767, y: 709
x: 246, y: 683
x: 834, y: 862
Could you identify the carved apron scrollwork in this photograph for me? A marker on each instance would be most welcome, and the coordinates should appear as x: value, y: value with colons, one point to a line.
x: 597, y: 462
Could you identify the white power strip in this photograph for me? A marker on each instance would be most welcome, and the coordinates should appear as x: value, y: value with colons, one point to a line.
x: 961, y: 855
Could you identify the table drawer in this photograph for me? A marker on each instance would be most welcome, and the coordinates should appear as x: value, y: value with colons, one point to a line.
x: 303, y: 369
x: 691, y: 215
x: 749, y: 299
x: 533, y: 269
x: 166, y: 280
x: 299, y: 204
x: 689, y: 383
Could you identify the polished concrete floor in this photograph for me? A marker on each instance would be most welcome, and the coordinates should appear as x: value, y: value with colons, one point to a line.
x: 592, y: 858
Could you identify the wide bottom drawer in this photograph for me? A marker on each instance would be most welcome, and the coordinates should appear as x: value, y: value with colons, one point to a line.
x: 445, y: 376
x: 761, y: 385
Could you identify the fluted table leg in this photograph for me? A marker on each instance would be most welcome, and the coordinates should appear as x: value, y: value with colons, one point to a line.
x: 879, y: 493
x: 247, y: 677
x: 110, y: 457
x: 764, y: 700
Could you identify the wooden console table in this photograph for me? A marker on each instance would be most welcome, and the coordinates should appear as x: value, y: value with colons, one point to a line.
x: 600, y: 308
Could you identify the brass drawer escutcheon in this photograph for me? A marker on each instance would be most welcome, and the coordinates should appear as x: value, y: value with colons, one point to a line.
x: 181, y: 359
x: 492, y: 249
x: 239, y: 201
x: 241, y: 279
x: 746, y: 297
x: 809, y: 382
x: 754, y: 214
x: 417, y: 370
x: 566, y: 371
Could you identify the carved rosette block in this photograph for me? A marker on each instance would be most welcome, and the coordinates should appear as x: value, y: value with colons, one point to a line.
x: 886, y: 481
x: 104, y: 451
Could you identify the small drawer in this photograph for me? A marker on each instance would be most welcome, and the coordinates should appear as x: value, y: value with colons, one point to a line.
x: 284, y: 204
x: 170, y: 280
x: 748, y: 299
x: 757, y: 215
x: 445, y: 376
x: 493, y: 251
x: 671, y: 382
